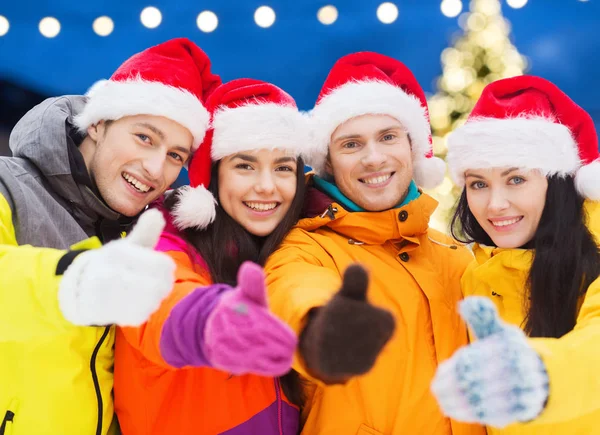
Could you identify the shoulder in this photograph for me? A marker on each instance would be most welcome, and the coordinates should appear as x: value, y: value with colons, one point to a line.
x: 448, y: 250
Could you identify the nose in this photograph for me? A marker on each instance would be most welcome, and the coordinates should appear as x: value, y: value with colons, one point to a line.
x: 498, y: 201
x: 154, y: 165
x: 373, y: 157
x: 265, y: 184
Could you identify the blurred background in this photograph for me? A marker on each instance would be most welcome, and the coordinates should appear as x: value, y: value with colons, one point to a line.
x: 454, y: 47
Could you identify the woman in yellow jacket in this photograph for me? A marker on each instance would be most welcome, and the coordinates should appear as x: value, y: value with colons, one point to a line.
x: 528, y: 157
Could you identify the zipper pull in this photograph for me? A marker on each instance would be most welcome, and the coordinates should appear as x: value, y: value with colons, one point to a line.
x: 8, y: 417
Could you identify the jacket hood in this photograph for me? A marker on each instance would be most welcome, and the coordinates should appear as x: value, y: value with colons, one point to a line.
x: 46, y: 138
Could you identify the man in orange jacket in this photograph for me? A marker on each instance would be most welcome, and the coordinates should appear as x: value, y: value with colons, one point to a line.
x: 372, y: 348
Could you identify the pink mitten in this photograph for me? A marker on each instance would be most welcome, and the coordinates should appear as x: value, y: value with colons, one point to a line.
x: 242, y: 336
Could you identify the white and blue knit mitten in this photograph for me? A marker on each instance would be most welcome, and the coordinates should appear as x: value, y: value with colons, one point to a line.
x: 497, y: 380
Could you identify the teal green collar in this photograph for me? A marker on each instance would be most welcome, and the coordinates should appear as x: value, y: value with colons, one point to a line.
x: 334, y: 193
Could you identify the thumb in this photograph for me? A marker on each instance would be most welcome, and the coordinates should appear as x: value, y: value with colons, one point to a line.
x: 356, y: 282
x: 251, y: 282
x: 147, y: 230
x: 481, y: 316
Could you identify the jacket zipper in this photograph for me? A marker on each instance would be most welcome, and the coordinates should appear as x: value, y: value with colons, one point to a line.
x: 279, y: 410
x: 8, y: 417
x: 95, y: 379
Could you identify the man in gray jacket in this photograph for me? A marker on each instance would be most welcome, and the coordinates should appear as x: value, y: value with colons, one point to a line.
x: 83, y: 167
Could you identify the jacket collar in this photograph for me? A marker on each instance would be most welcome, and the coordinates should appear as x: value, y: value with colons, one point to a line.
x: 372, y: 228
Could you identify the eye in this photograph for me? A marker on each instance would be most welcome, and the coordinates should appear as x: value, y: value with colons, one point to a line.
x: 143, y: 137
x: 388, y: 137
x: 350, y: 145
x: 176, y: 157
x: 244, y: 166
x: 476, y: 185
x: 285, y: 169
x: 516, y: 180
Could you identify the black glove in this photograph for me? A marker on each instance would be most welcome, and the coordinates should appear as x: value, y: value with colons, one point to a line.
x: 343, y: 338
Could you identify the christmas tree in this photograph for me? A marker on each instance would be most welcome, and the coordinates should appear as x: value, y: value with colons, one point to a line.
x: 481, y: 54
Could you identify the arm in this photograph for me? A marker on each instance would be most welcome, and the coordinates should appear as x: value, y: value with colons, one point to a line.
x: 204, y: 325
x: 341, y: 334
x: 43, y: 290
x: 518, y: 379
x: 29, y: 283
x: 572, y: 363
x: 173, y: 328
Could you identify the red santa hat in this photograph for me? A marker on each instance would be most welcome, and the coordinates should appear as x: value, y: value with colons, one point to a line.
x: 247, y: 115
x: 171, y: 79
x: 370, y: 83
x: 528, y: 122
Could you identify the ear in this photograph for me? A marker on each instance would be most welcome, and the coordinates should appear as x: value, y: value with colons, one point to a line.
x: 93, y: 131
x: 328, y: 168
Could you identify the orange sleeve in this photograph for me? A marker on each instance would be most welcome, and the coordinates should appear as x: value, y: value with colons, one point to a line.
x: 146, y: 338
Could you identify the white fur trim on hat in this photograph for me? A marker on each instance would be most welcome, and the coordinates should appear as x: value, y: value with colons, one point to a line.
x: 195, y: 208
x: 587, y: 181
x: 368, y: 97
x: 259, y: 126
x: 429, y: 172
x: 112, y: 100
x: 523, y: 142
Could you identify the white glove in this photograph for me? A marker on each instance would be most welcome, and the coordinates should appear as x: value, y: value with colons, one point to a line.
x: 497, y: 380
x: 121, y: 283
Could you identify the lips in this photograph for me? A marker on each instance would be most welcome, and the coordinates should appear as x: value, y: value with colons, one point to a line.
x: 135, y: 183
x: 505, y: 222
x: 377, y: 179
x: 261, y: 206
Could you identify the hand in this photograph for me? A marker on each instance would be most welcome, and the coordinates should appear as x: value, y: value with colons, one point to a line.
x: 123, y: 282
x: 497, y: 380
x: 344, y: 338
x: 242, y: 336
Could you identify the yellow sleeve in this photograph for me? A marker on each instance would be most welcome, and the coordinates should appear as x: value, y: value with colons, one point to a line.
x: 300, y: 276
x: 573, y: 364
x: 29, y: 285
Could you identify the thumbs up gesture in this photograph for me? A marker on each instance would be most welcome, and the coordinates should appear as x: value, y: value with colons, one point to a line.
x: 121, y: 283
x: 242, y: 336
x: 344, y: 338
x: 497, y: 380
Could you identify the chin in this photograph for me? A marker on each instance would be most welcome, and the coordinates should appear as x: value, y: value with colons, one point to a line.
x: 127, y: 209
x: 508, y: 243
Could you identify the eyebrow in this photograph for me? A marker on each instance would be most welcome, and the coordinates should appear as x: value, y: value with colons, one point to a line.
x: 161, y: 135
x: 348, y: 136
x: 285, y: 159
x: 358, y: 136
x: 394, y: 127
x: 468, y: 174
x: 246, y: 157
x: 253, y: 159
x: 152, y: 128
x: 508, y: 171
x: 183, y: 150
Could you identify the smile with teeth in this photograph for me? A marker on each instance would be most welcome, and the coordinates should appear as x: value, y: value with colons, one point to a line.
x: 261, y: 206
x: 376, y: 180
x: 506, y: 222
x: 137, y: 184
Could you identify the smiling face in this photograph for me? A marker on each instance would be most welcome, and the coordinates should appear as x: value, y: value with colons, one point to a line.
x: 256, y: 188
x: 370, y: 160
x: 133, y: 160
x: 507, y: 202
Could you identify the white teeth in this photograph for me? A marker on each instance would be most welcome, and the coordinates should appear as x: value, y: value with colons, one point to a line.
x: 261, y: 206
x: 376, y: 180
x: 136, y: 183
x: 506, y: 222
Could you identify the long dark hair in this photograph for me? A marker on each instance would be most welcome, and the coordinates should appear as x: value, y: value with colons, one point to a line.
x: 566, y: 258
x: 224, y: 245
